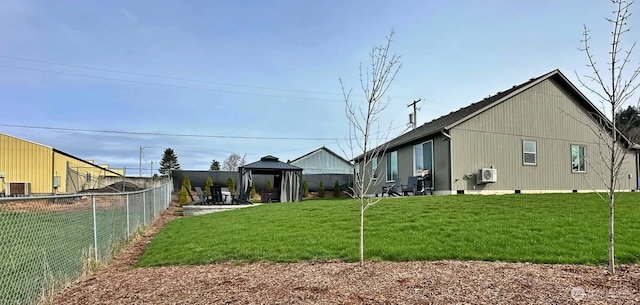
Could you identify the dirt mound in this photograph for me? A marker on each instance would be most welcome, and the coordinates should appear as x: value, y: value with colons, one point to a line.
x: 117, y: 187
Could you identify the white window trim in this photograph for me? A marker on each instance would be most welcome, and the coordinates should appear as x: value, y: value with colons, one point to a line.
x: 414, y: 157
x: 584, y: 157
x: 535, y: 153
x: 388, y: 166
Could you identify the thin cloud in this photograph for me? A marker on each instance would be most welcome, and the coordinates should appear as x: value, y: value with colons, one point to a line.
x: 127, y: 14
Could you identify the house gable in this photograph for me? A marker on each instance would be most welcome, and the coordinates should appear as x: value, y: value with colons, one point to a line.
x: 323, y: 161
x: 549, y: 113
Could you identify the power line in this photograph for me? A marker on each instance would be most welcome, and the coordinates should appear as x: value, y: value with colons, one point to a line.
x: 164, y: 85
x: 160, y: 77
x: 174, y: 134
x: 166, y: 134
x: 172, y: 85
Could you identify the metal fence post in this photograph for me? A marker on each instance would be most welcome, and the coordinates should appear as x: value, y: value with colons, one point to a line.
x: 95, y: 227
x: 167, y: 196
x: 153, y: 195
x: 128, y: 221
x: 144, y: 207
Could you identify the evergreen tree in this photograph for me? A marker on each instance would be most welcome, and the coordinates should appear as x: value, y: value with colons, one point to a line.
x: 628, y: 123
x: 337, y: 191
x: 169, y: 162
x: 215, y: 165
x: 305, y: 189
x: 321, y: 189
x: 184, y: 196
x: 186, y: 182
x: 253, y: 189
x: 627, y: 118
x: 232, y: 186
x: 207, y: 186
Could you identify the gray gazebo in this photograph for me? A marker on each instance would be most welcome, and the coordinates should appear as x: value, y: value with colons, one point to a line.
x: 287, y: 178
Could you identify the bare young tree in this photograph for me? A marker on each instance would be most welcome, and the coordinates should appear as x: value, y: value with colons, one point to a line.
x: 234, y: 161
x: 614, y: 88
x: 375, y: 80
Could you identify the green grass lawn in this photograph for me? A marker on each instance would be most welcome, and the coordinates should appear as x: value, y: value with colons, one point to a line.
x: 550, y: 228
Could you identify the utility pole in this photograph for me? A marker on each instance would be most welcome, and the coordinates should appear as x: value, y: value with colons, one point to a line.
x: 413, y: 118
x: 151, y: 172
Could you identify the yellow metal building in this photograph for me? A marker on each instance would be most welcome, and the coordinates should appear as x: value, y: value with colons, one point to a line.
x: 46, y: 170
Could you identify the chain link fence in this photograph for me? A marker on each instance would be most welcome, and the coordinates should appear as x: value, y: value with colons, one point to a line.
x: 46, y: 242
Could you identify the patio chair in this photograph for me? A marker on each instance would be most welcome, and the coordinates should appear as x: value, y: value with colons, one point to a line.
x: 410, y: 187
x: 216, y: 194
x: 393, y: 189
x: 202, y: 198
x: 243, y: 198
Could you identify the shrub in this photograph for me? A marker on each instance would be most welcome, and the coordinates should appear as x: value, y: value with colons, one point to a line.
x: 305, y: 189
x: 337, y: 191
x: 321, y: 189
x: 186, y: 182
x: 253, y: 189
x: 232, y: 186
x: 269, y: 183
x: 183, y: 197
x: 207, y: 186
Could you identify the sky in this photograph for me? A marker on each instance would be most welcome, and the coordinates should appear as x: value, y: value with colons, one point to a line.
x: 100, y: 79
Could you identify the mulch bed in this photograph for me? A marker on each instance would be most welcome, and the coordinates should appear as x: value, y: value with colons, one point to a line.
x: 441, y: 282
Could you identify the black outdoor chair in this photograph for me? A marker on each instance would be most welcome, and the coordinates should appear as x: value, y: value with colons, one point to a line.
x: 410, y: 187
x: 392, y: 190
x: 216, y: 194
x: 243, y: 198
x: 202, y: 198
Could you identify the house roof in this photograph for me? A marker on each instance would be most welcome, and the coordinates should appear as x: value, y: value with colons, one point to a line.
x: 448, y: 121
x: 271, y: 163
x: 319, y: 149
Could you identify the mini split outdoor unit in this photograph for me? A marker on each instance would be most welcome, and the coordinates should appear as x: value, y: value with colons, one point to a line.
x: 487, y: 175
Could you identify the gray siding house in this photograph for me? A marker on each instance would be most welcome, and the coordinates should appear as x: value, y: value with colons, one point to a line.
x: 534, y: 137
x: 323, y: 161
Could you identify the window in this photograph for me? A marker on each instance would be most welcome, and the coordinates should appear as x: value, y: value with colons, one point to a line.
x: 88, y: 177
x: 374, y: 167
x: 422, y: 157
x: 529, y: 155
x: 578, y: 159
x: 357, y: 167
x: 392, y: 166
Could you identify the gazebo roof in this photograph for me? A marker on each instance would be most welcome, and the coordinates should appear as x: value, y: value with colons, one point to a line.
x: 271, y: 163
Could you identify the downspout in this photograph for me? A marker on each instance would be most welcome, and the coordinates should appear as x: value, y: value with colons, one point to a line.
x: 444, y: 133
x: 53, y: 172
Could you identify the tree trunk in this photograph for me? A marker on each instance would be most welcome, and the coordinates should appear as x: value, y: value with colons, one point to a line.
x: 362, y: 231
x: 612, y: 268
x: 612, y: 190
